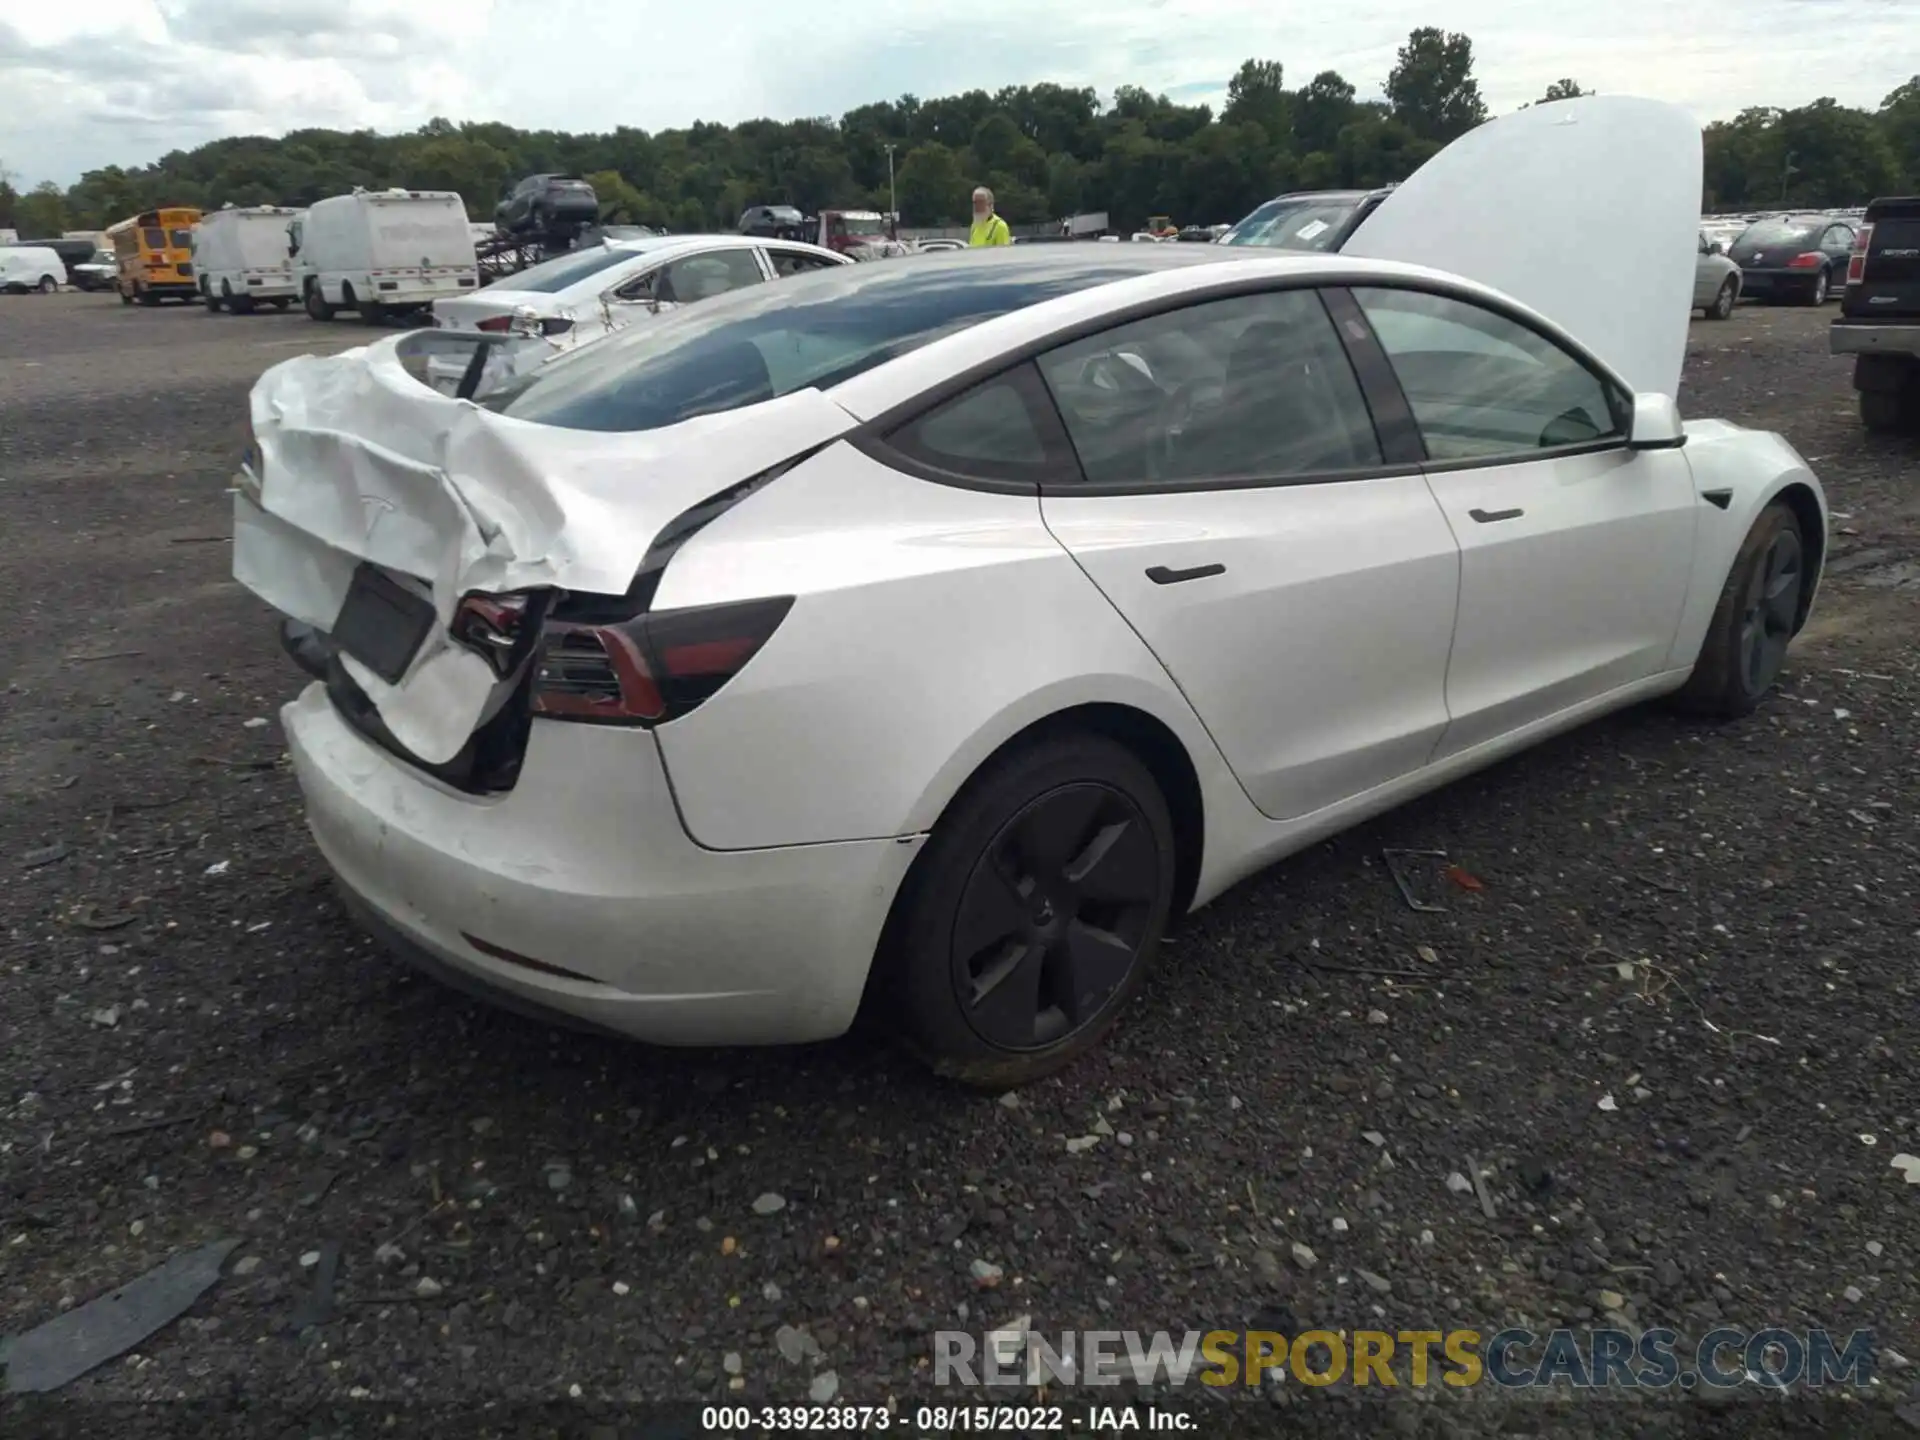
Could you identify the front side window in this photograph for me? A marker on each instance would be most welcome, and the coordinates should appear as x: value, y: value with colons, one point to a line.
x: 701, y: 277
x: 1246, y: 388
x: 1482, y: 386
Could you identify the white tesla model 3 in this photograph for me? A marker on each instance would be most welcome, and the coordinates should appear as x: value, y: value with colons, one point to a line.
x: 929, y: 634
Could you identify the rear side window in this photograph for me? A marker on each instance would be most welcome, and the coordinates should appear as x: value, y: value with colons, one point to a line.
x: 702, y: 277
x: 1484, y: 387
x: 550, y: 277
x: 990, y: 431
x: 794, y: 262
x: 154, y: 238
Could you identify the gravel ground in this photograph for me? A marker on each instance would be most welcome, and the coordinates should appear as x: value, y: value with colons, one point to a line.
x: 1676, y: 1025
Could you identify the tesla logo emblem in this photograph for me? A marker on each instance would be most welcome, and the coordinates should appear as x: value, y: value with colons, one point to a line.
x: 378, y: 508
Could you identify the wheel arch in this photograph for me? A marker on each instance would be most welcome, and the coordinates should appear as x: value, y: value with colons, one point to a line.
x: 1798, y: 497
x: 1150, y: 739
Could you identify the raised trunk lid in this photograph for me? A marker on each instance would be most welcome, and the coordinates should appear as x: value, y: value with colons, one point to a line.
x: 1533, y: 204
x: 358, y: 461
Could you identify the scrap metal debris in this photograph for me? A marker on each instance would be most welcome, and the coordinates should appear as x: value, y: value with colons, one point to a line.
x: 69, y: 1345
x: 47, y: 855
x: 317, y: 1307
x: 1392, y: 859
x: 1480, y: 1187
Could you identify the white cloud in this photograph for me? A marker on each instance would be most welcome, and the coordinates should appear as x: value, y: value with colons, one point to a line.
x: 124, y: 81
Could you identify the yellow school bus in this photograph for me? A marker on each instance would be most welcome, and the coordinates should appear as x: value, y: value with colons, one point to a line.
x: 155, y: 253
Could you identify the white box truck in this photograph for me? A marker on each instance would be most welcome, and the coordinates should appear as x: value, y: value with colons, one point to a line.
x: 382, y: 252
x: 241, y: 258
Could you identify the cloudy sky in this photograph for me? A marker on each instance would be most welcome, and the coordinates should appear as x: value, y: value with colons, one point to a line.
x: 93, y: 82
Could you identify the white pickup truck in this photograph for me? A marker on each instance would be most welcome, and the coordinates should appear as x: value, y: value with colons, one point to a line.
x: 382, y: 252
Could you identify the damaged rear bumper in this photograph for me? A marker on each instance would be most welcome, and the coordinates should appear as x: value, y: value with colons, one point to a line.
x: 579, y: 894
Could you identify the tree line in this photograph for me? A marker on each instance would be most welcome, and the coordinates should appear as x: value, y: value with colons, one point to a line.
x: 1046, y: 151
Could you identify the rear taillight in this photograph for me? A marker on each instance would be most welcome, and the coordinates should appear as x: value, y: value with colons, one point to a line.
x: 1808, y: 260
x: 1857, y: 257
x: 651, y: 668
x: 495, y: 324
x: 525, y: 323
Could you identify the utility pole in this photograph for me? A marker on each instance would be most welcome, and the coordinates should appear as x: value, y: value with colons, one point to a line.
x: 893, y: 202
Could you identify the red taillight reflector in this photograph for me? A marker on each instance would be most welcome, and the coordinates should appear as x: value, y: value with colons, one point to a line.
x: 495, y: 324
x: 514, y: 957
x: 1811, y: 260
x: 1857, y: 257
x: 649, y: 669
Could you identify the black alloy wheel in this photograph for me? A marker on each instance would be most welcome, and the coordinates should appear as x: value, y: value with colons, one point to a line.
x: 1054, y: 915
x: 1033, y: 913
x: 1772, y: 604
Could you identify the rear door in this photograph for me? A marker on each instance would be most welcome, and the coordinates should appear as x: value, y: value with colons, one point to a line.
x: 1886, y: 285
x: 1235, y: 503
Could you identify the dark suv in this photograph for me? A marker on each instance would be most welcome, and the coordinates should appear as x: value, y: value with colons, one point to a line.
x: 1307, y: 219
x: 1879, y: 322
x: 547, y: 202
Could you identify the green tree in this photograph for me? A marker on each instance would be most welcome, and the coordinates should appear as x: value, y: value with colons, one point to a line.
x: 1322, y: 108
x: 1899, y: 119
x: 41, y: 214
x: 1431, y: 88
x: 1559, y: 90
x: 1257, y: 95
x: 933, y: 186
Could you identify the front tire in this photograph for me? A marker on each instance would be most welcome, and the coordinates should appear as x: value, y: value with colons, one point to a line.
x: 1723, y: 303
x: 1754, y: 621
x: 316, y: 303
x: 1034, y: 914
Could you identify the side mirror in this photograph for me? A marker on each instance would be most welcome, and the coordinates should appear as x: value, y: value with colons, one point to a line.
x: 1719, y: 247
x: 1656, y: 424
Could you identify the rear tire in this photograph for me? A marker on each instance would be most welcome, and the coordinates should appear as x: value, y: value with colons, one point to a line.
x: 279, y: 303
x: 372, y: 312
x: 316, y: 303
x: 1891, y: 412
x: 147, y: 297
x: 48, y: 285
x: 125, y: 298
x: 1723, y: 303
x: 1754, y: 621
x: 211, y: 300
x: 1818, y: 294
x: 1033, y: 916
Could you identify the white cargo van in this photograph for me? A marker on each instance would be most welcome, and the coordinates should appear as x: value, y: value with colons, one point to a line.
x: 240, y: 256
x: 381, y: 252
x: 31, y: 267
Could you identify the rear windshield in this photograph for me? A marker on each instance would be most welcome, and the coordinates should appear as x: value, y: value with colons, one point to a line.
x: 1293, y: 223
x: 767, y: 341
x: 550, y: 277
x: 1782, y: 232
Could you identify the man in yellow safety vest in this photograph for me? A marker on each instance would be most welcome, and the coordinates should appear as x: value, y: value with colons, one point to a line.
x: 988, y: 228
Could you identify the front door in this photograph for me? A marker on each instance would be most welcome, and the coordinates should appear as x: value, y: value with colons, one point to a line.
x: 1574, y: 550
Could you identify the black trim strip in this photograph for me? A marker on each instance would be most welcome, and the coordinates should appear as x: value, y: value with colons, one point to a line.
x: 1678, y: 442
x: 1393, y: 422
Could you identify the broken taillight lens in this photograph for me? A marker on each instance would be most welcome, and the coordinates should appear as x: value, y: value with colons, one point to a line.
x: 651, y: 668
x: 1809, y: 260
x: 1857, y: 257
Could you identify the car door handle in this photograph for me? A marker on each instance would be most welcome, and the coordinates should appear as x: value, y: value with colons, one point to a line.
x: 1161, y: 575
x: 1487, y: 517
